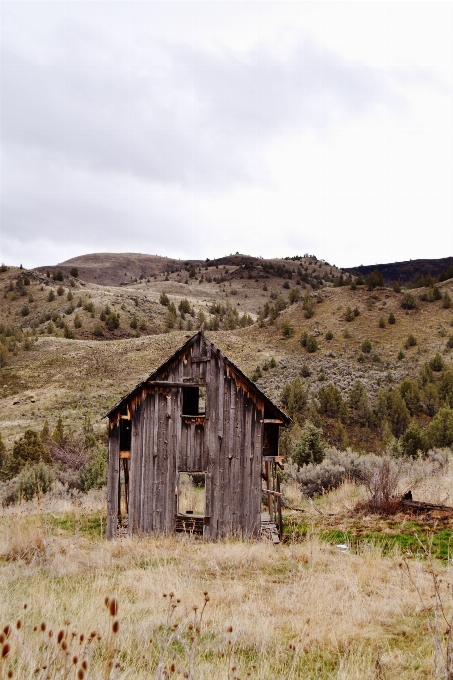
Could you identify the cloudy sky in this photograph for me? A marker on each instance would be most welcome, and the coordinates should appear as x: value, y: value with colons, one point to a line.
x: 197, y: 129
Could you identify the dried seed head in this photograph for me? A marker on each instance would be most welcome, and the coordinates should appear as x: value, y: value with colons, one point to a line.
x: 25, y: 606
x: 206, y: 598
x: 50, y: 633
x: 230, y: 629
x: 150, y: 641
x: 172, y: 594
x: 85, y: 665
x: 7, y: 631
x: 2, y: 638
x: 107, y: 602
x: 6, y: 650
x: 35, y: 628
x: 172, y: 668
x: 81, y: 638
x: 115, y: 626
x: 164, y: 594
x: 10, y: 673
x: 205, y: 592
x: 18, y: 624
x: 80, y: 674
x: 43, y: 626
x: 75, y: 660
x: 113, y: 607
x: 93, y: 634
x: 64, y: 646
x: 190, y: 626
x: 197, y: 629
x: 60, y: 636
x: 178, y: 600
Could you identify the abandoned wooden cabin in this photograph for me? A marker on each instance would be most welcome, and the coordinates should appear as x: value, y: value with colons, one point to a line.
x: 195, y: 448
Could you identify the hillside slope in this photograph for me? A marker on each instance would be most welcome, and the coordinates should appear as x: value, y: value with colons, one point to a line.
x: 405, y: 272
x: 45, y: 374
x: 118, y: 269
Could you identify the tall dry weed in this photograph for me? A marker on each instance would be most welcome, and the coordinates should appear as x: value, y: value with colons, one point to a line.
x: 24, y: 542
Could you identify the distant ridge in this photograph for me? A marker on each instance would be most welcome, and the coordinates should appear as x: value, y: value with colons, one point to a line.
x: 114, y: 269
x: 405, y: 272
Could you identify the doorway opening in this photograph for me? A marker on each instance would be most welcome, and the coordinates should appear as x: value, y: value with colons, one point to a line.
x: 191, y: 493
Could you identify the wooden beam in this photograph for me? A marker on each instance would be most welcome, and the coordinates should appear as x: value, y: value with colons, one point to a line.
x: 272, y: 421
x: 272, y: 493
x: 166, y: 383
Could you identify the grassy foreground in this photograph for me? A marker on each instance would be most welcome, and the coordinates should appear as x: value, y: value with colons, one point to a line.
x: 301, y: 610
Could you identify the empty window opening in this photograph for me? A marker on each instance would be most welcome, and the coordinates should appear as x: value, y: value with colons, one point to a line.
x: 270, y: 439
x: 125, y: 434
x: 123, y: 489
x: 194, y: 401
x: 191, y: 493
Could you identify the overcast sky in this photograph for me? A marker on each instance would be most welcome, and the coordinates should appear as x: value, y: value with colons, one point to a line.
x: 198, y: 129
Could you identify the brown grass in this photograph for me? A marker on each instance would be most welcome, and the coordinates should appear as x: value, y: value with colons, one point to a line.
x: 301, y: 610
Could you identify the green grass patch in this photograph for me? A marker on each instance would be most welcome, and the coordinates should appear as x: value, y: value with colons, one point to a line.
x: 404, y: 536
x: 86, y: 524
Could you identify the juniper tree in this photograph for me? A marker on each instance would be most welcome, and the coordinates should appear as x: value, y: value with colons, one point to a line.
x: 310, y: 448
x: 411, y: 396
x: 27, y: 450
x: 294, y: 399
x: 359, y: 404
x: 58, y: 434
x: 45, y: 432
x: 440, y: 430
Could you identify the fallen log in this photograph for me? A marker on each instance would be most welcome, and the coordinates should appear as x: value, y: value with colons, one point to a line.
x: 419, y: 505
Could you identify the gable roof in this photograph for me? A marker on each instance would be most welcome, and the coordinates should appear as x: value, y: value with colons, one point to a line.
x: 270, y: 404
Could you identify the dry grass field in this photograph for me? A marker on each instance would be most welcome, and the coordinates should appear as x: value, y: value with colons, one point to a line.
x: 305, y: 609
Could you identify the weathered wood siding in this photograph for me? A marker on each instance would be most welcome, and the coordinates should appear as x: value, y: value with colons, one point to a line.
x: 113, y: 477
x: 226, y: 444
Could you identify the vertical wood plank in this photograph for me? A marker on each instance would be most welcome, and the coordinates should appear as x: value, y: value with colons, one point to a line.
x: 145, y: 466
x: 154, y: 405
x: 135, y: 474
x: 211, y: 447
x: 113, y: 477
x: 225, y: 463
x: 248, y: 466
